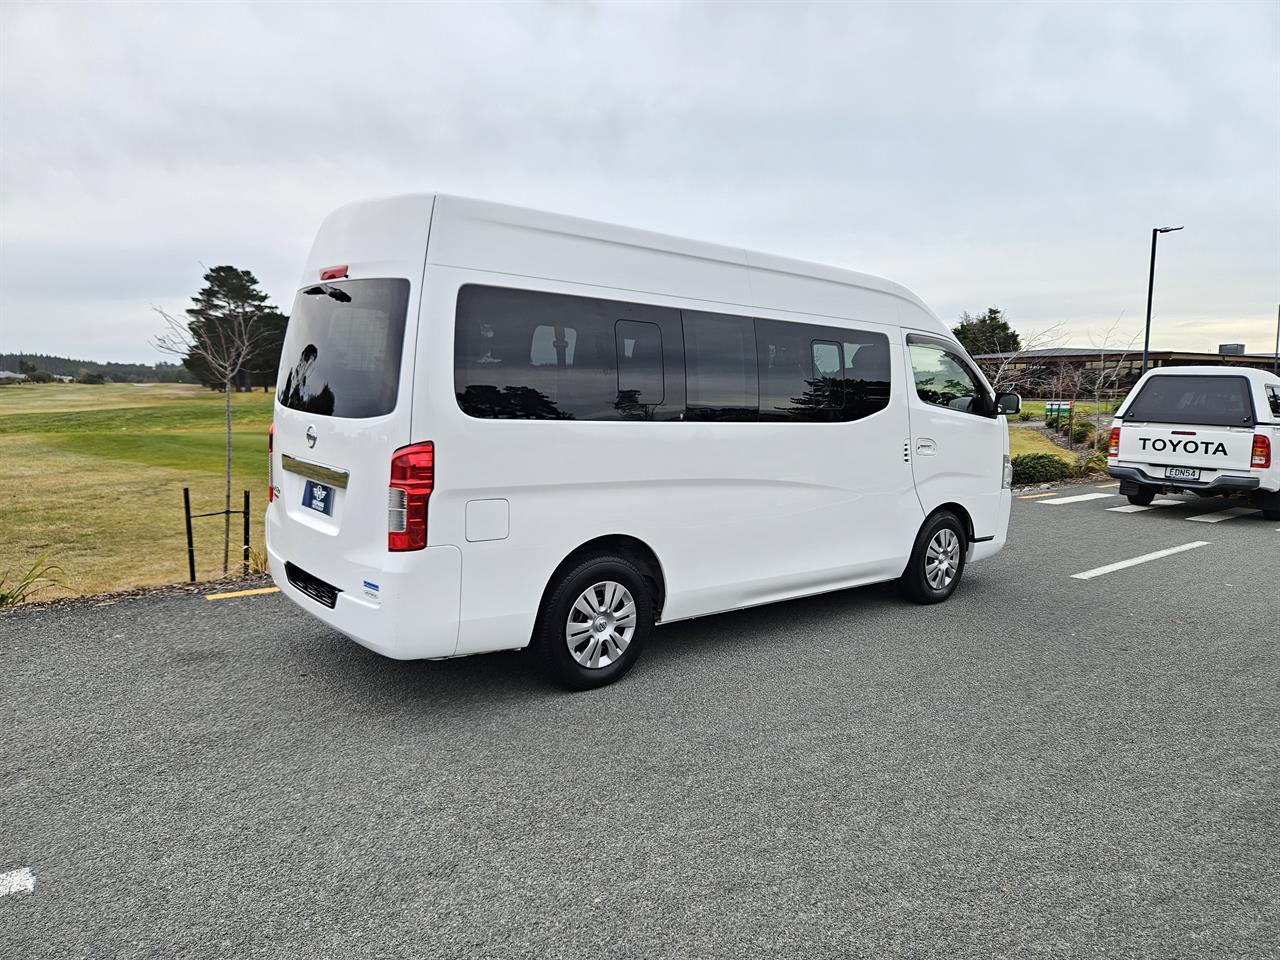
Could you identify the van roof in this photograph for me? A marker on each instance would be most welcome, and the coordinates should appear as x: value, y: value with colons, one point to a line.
x: 784, y: 270
x: 633, y: 236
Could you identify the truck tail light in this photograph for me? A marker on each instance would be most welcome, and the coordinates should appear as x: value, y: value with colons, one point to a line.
x: 413, y: 473
x: 1113, y: 445
x: 1261, y: 451
x: 271, y: 463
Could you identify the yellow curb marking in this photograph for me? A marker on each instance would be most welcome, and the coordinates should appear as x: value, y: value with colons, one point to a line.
x: 1032, y: 496
x: 1107, y: 486
x: 241, y: 593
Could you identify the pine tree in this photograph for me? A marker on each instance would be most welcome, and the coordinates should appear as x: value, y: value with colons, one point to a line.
x: 231, y: 324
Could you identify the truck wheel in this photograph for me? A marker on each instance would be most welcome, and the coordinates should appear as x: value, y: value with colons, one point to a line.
x: 937, y: 560
x: 1143, y: 497
x: 594, y: 623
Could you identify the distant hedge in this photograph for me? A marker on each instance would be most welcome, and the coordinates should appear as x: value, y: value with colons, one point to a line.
x: 1039, y: 468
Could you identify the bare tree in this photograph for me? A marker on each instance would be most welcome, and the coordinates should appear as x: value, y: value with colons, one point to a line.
x: 1013, y: 370
x: 225, y: 347
x: 1113, y: 363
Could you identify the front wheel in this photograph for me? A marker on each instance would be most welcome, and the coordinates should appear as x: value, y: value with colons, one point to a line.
x: 594, y: 623
x: 937, y: 560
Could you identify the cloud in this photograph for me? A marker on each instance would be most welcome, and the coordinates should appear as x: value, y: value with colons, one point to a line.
x: 980, y: 153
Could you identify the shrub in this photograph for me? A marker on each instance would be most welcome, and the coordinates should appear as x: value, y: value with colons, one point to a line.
x: 1051, y: 422
x: 1081, y: 432
x: 1024, y: 415
x: 40, y: 576
x: 1096, y: 464
x: 1039, y: 468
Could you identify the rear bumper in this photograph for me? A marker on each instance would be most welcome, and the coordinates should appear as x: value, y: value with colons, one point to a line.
x: 413, y: 613
x: 1137, y: 475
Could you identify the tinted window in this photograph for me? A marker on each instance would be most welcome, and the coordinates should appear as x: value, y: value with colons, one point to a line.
x: 866, y: 373
x: 801, y: 374
x: 944, y: 380
x: 521, y: 354
x: 720, y: 367
x: 1174, y: 398
x: 640, y: 380
x: 342, y: 348
x: 1273, y: 398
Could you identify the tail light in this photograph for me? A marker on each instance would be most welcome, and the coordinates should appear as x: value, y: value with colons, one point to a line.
x: 1113, y: 445
x: 413, y: 471
x: 271, y: 463
x: 1261, y: 451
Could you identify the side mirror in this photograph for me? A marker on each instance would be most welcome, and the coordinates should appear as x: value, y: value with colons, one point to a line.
x: 1008, y: 404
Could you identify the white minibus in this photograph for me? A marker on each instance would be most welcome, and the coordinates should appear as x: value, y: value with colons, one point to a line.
x: 498, y: 428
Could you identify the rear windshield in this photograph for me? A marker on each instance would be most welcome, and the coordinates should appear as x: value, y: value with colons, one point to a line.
x: 342, y: 348
x: 1213, y: 401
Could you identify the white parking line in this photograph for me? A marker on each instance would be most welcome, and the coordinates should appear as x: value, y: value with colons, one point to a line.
x: 1138, y: 508
x: 1223, y: 515
x: 1081, y: 498
x: 1145, y: 558
x: 17, y: 881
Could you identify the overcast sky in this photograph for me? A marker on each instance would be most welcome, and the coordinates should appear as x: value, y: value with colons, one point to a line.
x: 1007, y: 154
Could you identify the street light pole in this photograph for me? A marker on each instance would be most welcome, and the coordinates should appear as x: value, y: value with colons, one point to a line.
x: 1151, y: 283
x: 1276, y: 368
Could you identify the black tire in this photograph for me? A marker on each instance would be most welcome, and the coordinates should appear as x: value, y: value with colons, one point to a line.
x: 1271, y: 513
x: 916, y: 578
x: 1143, y: 497
x: 550, y: 638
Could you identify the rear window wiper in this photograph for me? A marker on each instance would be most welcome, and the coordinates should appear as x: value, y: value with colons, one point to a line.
x: 337, y: 294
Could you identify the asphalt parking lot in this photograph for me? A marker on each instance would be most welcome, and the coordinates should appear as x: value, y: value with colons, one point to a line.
x: 1043, y: 766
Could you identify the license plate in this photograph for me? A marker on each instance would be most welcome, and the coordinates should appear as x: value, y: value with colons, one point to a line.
x: 318, y: 497
x: 1181, y: 473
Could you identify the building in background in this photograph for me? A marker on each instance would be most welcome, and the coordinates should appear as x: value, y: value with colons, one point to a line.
x: 1073, y: 371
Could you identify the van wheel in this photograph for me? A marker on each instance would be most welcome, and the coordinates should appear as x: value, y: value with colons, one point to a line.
x: 1143, y: 497
x: 594, y: 623
x: 937, y: 560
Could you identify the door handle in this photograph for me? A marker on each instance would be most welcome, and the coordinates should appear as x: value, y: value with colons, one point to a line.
x: 926, y: 447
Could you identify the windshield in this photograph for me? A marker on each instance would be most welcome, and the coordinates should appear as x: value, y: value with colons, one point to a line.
x: 342, y: 348
x: 1211, y: 401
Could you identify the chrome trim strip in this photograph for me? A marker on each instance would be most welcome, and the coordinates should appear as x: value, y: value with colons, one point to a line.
x: 313, y: 471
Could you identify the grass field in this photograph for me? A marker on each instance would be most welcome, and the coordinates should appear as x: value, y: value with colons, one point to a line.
x: 1028, y: 440
x: 1084, y: 408
x: 93, y: 476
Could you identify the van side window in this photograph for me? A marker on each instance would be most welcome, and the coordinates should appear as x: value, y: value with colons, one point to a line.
x: 867, y: 375
x: 640, y: 379
x: 944, y: 380
x: 526, y: 355
x: 720, y: 367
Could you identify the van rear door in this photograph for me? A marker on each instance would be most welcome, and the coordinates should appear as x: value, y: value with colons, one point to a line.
x: 1188, y: 427
x: 343, y: 408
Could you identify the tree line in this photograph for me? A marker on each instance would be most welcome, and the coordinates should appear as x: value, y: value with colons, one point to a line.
x: 33, y: 365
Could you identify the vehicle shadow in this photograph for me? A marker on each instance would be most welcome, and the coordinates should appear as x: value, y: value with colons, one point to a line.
x: 514, y: 678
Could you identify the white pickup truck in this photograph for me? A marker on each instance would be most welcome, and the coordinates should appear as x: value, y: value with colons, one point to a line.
x: 1204, y: 430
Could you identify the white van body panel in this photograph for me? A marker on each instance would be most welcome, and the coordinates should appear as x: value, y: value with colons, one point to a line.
x: 735, y: 513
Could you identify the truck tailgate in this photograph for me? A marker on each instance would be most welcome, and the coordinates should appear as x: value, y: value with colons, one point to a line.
x: 1162, y: 444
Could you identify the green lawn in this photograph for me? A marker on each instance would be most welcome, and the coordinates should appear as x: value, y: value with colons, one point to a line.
x: 1029, y: 440
x: 93, y: 476
x: 1084, y: 408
